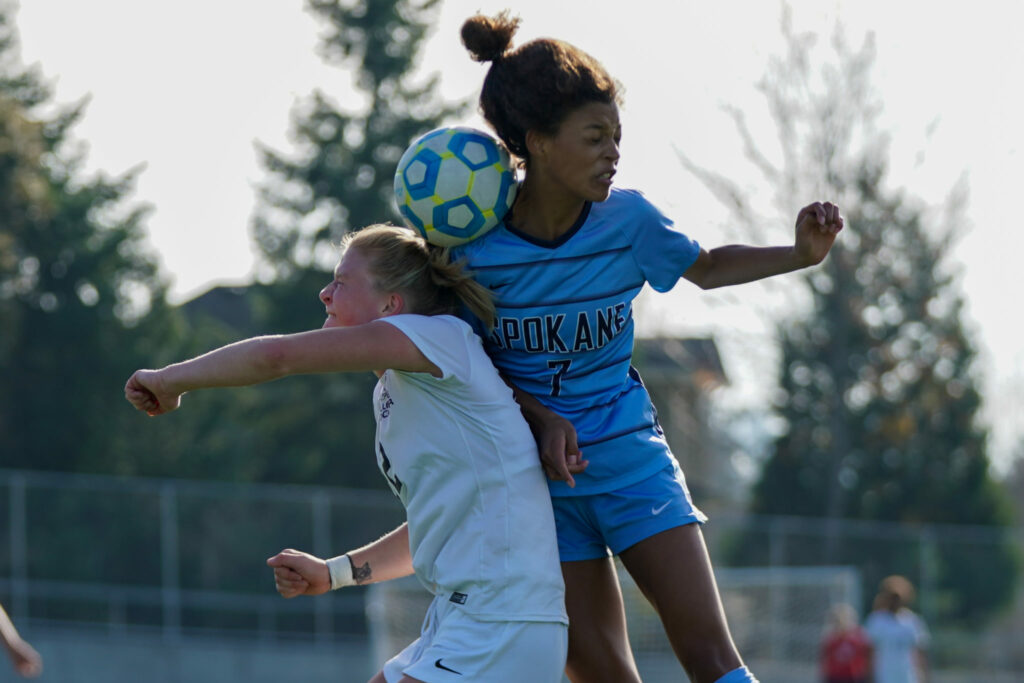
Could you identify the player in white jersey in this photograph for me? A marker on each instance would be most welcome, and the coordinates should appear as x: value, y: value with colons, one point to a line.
x: 453, y: 446
x: 565, y: 267
x: 899, y: 637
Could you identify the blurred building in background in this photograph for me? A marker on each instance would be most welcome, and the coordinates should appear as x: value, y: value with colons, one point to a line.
x: 681, y: 374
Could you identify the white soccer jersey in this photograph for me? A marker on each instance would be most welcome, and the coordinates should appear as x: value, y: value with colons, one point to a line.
x: 894, y: 638
x: 461, y: 458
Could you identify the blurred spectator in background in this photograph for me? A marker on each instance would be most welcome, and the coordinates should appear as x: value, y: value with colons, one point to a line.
x: 898, y: 636
x: 845, y: 650
x: 25, y: 659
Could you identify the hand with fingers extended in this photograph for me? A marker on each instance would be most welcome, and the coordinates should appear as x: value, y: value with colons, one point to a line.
x: 298, y: 573
x: 817, y: 225
x: 146, y: 391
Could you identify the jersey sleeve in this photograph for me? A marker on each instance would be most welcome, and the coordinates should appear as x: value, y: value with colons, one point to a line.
x: 442, y: 339
x: 662, y: 252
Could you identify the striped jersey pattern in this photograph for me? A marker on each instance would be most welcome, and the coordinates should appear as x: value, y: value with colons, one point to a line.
x: 564, y: 327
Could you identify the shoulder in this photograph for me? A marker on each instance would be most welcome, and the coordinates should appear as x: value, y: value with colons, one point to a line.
x: 630, y: 211
x: 913, y: 618
x: 627, y: 200
x: 444, y: 340
x: 415, y: 325
x: 487, y: 241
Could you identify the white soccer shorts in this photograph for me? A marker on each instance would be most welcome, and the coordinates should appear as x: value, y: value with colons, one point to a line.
x: 454, y: 646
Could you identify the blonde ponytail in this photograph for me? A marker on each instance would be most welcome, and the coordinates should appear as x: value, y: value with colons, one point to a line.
x: 431, y: 284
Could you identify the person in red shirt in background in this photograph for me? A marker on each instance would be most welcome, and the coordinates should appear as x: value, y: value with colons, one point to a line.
x: 845, y: 650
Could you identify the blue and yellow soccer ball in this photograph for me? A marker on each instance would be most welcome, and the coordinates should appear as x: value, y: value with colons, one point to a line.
x: 454, y: 184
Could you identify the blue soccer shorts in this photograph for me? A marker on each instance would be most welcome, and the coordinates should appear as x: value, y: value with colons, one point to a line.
x: 593, y: 526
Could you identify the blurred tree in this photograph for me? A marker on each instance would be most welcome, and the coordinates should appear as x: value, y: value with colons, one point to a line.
x: 1014, y: 483
x: 80, y: 297
x: 339, y: 177
x: 82, y: 305
x: 877, y: 393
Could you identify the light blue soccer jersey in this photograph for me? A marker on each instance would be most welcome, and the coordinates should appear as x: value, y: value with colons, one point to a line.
x: 564, y: 329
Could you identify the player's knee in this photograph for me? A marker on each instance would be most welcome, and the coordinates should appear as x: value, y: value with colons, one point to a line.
x: 596, y: 664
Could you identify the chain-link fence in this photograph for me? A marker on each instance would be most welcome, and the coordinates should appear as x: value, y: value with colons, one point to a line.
x: 965, y: 577
x: 177, y: 557
x: 185, y: 560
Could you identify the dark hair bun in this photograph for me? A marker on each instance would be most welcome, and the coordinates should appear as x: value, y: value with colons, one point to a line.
x: 489, y: 38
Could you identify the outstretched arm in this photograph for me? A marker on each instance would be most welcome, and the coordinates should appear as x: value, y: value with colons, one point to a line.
x: 24, y: 658
x: 816, y: 228
x: 299, y: 573
x: 373, y: 346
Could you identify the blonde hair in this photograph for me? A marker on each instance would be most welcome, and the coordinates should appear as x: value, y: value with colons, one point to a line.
x: 431, y: 284
x: 842, y: 617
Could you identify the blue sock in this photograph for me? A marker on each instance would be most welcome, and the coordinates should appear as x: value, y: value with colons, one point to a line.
x: 740, y: 675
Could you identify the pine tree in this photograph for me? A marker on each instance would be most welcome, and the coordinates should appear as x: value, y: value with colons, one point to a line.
x: 341, y: 178
x: 76, y: 280
x: 338, y: 178
x: 877, y: 387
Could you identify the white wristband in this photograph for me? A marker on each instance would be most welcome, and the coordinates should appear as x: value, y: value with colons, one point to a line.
x: 342, y: 572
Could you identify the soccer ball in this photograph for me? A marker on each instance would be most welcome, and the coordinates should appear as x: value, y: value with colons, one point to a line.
x: 454, y: 184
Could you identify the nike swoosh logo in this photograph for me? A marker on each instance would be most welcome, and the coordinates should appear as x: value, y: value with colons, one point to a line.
x: 439, y: 665
x: 658, y: 510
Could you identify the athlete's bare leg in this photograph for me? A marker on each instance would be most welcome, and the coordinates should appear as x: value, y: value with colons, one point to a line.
x: 673, y: 571
x: 599, y: 649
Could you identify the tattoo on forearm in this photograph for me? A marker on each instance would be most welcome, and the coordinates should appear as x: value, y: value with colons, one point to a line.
x: 362, y: 574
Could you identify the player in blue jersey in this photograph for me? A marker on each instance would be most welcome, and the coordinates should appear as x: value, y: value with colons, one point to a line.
x: 451, y: 443
x: 565, y: 267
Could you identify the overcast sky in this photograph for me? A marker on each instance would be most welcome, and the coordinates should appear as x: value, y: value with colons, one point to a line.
x: 187, y: 87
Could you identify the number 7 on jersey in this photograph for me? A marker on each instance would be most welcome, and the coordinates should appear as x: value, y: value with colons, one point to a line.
x: 560, y: 367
